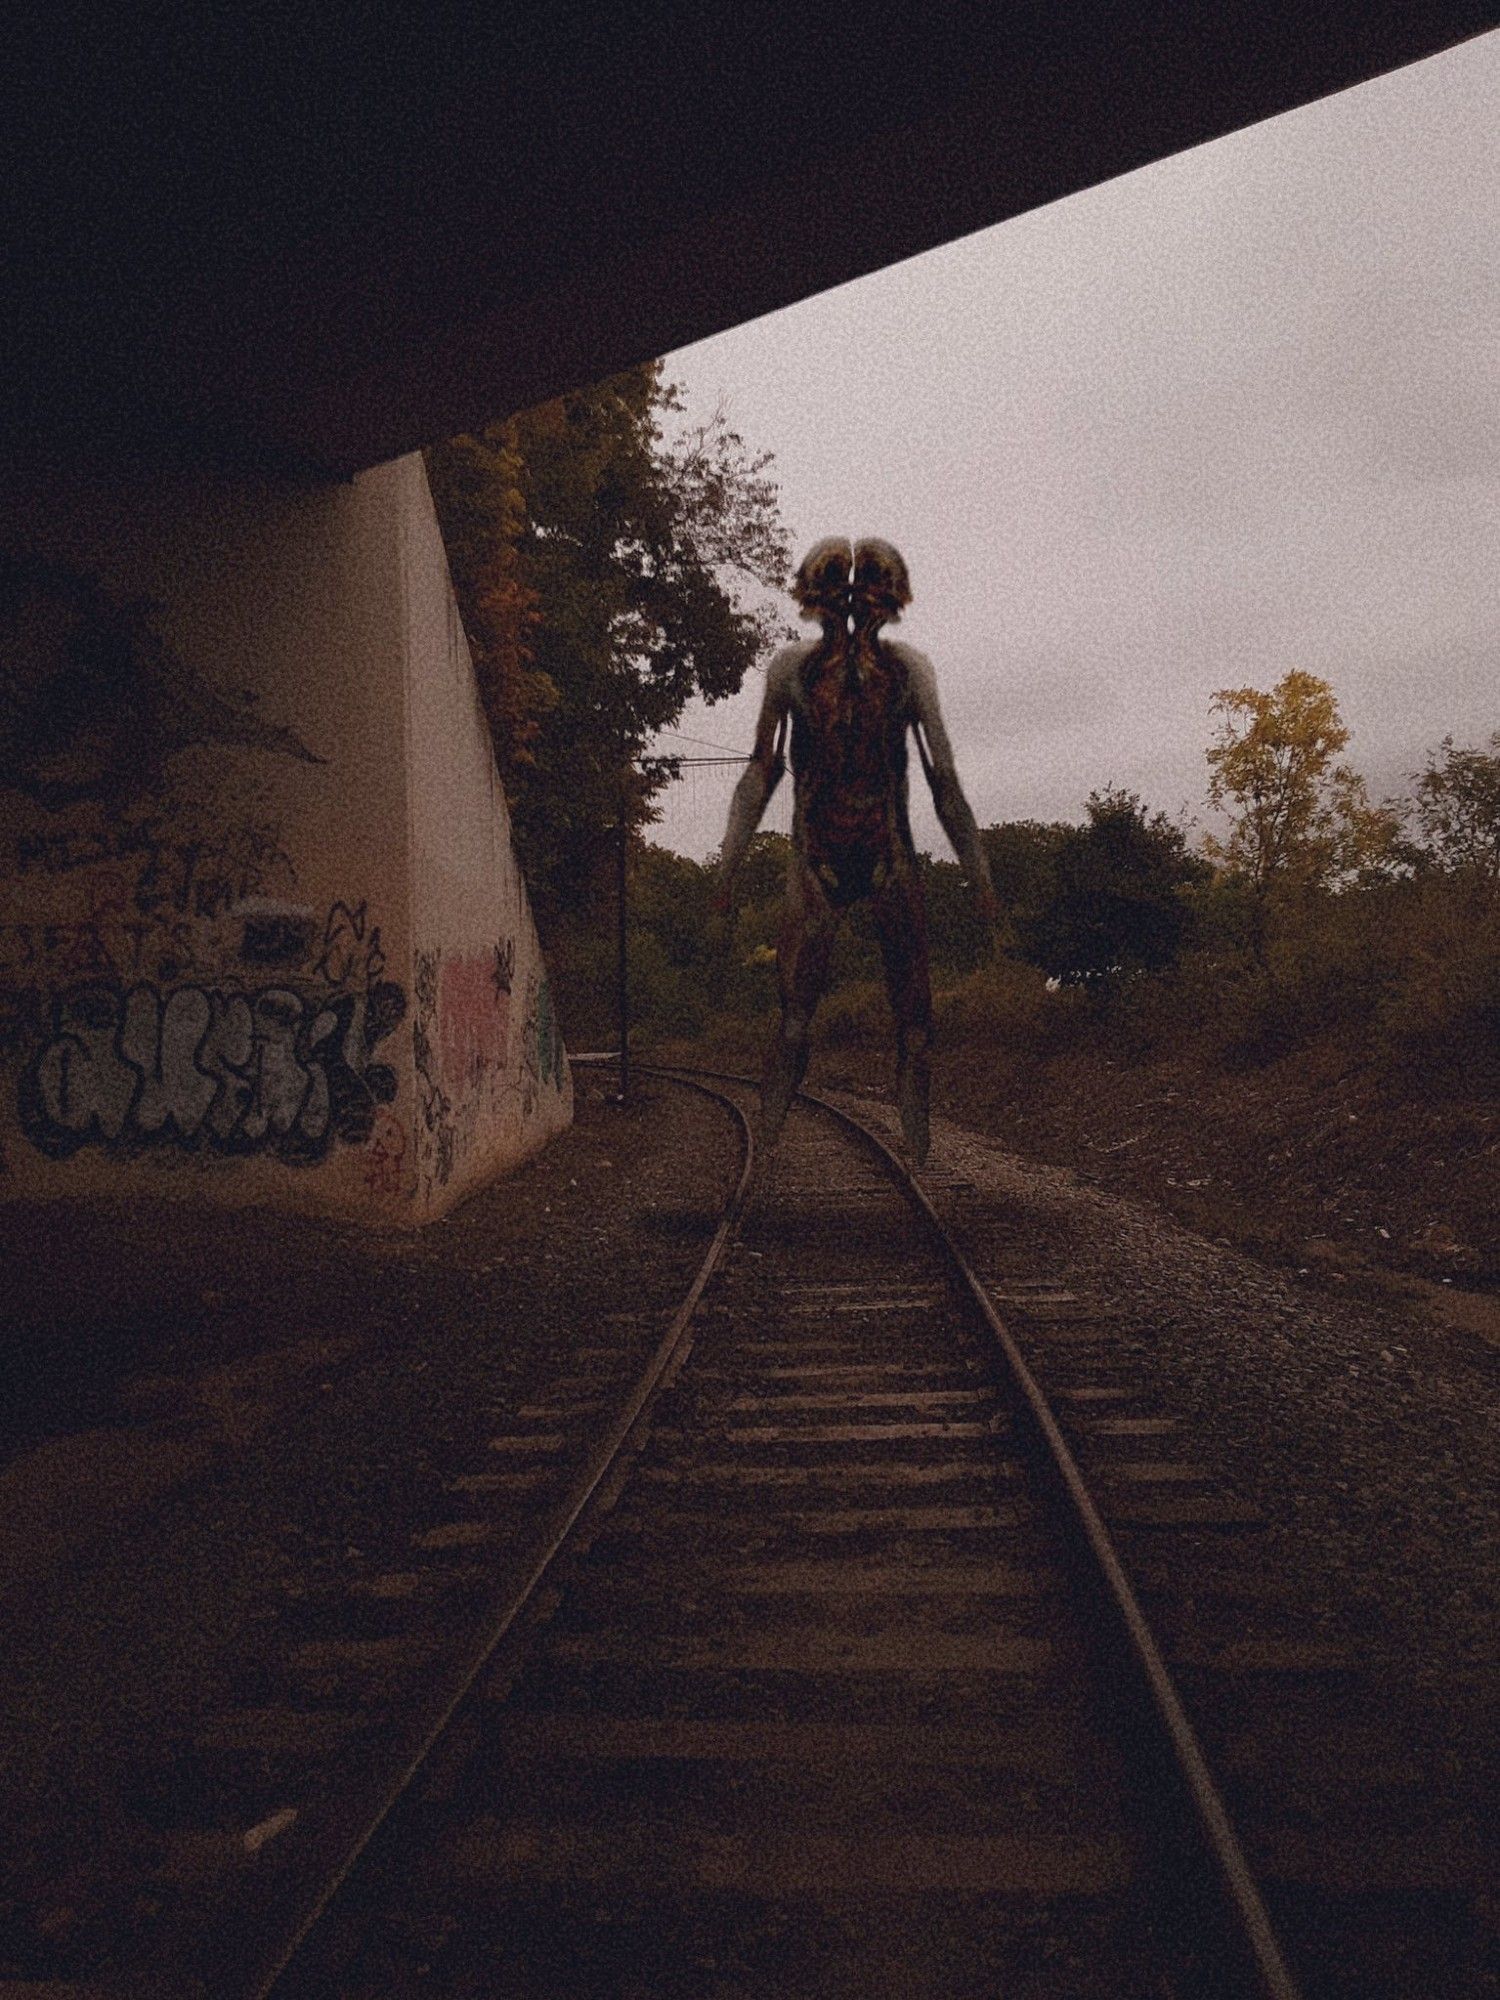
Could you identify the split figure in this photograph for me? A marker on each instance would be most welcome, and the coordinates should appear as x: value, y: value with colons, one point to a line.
x: 847, y: 701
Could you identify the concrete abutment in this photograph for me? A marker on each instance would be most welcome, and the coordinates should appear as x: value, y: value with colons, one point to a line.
x: 263, y: 937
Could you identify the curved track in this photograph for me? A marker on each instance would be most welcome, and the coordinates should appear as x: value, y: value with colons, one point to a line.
x: 809, y: 1669
x: 818, y: 1690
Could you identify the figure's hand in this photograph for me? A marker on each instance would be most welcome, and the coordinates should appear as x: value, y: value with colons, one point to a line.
x: 720, y: 904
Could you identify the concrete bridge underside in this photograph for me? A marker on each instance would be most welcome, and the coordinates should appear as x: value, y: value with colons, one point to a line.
x: 313, y: 240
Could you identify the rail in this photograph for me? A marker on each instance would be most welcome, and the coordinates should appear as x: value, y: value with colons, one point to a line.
x: 332, y: 1845
x: 330, y: 1851
x: 1244, y: 1907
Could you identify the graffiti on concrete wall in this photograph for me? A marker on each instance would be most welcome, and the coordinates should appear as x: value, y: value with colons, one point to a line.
x: 191, y: 1008
x: 385, y: 1154
x: 473, y: 1015
x: 436, y: 1139
x: 503, y: 966
x: 469, y: 1061
x: 234, y: 1069
x: 170, y: 865
x: 148, y: 896
x: 94, y: 700
x: 351, y: 948
x: 541, y: 1041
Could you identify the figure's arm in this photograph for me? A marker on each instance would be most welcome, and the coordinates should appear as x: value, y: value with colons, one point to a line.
x: 762, y: 774
x: 936, y: 751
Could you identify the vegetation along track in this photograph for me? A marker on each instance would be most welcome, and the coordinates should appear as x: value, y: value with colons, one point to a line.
x: 824, y: 1695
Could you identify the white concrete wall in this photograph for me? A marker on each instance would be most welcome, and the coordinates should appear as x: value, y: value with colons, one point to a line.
x: 492, y: 1080
x: 240, y: 741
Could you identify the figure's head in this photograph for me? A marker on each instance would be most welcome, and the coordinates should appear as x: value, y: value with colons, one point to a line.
x: 881, y: 585
x: 821, y: 585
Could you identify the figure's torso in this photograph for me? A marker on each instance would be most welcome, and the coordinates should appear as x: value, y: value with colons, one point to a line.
x: 849, y: 761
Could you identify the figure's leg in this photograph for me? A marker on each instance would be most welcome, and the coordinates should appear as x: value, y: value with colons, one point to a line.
x: 901, y: 924
x: 809, y: 923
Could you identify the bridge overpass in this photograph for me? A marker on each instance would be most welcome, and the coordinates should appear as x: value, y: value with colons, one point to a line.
x: 318, y: 239
x: 261, y: 938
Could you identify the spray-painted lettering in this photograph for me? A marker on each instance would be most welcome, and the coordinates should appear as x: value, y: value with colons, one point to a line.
x: 543, y: 1044
x: 437, y: 1139
x: 473, y: 1019
x: 269, y: 1069
x: 385, y: 1153
x: 351, y: 947
x: 504, y: 970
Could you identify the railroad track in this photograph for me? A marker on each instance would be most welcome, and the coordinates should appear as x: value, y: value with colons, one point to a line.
x: 826, y: 1697
x: 819, y: 1676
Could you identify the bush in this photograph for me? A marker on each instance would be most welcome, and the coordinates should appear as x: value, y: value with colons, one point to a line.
x: 1120, y: 901
x: 854, y: 1015
x: 1324, y: 968
x: 748, y: 984
x: 665, y: 999
x: 1442, y: 1003
x: 1009, y: 1004
x: 581, y: 966
x: 1394, y: 969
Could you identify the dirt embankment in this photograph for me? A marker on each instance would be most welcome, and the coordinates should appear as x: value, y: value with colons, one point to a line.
x: 1317, y: 1161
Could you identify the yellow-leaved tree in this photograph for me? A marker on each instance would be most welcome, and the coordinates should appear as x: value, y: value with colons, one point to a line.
x: 1298, y: 819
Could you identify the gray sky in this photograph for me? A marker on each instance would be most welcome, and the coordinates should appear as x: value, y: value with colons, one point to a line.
x: 1235, y: 413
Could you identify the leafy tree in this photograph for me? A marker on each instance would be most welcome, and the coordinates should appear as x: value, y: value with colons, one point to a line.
x: 1023, y: 856
x: 762, y: 873
x: 1117, y: 903
x: 477, y: 486
x: 1299, y: 820
x: 1457, y: 809
x: 601, y: 569
x: 749, y: 947
x: 958, y: 937
x: 671, y: 895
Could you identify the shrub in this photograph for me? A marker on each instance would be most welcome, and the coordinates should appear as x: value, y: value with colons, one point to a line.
x: 854, y: 1015
x: 1120, y: 899
x: 1442, y: 1003
x: 1009, y: 1004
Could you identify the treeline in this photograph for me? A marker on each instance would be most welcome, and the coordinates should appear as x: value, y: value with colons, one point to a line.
x: 1311, y: 912
x: 612, y: 556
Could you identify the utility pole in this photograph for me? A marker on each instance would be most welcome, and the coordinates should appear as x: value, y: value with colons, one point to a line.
x: 672, y: 767
x: 622, y: 982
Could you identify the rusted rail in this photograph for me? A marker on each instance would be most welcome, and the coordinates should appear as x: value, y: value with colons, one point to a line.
x: 1247, y: 1920
x: 332, y: 1842
x: 1246, y: 1957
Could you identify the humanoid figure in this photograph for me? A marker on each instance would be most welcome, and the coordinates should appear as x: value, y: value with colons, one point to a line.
x: 848, y: 700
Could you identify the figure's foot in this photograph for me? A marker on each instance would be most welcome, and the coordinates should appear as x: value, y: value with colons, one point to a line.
x: 914, y: 1085
x: 913, y: 1102
x: 778, y: 1088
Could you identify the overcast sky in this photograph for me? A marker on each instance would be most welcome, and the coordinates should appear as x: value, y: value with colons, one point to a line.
x: 1235, y: 413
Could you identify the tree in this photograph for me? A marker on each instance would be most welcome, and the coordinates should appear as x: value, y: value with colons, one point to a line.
x: 1022, y: 854
x: 1117, y: 902
x: 763, y: 872
x: 601, y: 569
x: 1458, y: 809
x: 477, y: 489
x: 671, y: 896
x: 1299, y: 820
x: 958, y: 938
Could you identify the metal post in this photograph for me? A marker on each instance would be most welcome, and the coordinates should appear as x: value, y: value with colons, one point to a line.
x: 622, y: 989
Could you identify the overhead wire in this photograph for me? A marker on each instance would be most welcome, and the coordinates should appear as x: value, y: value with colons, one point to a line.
x: 705, y: 741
